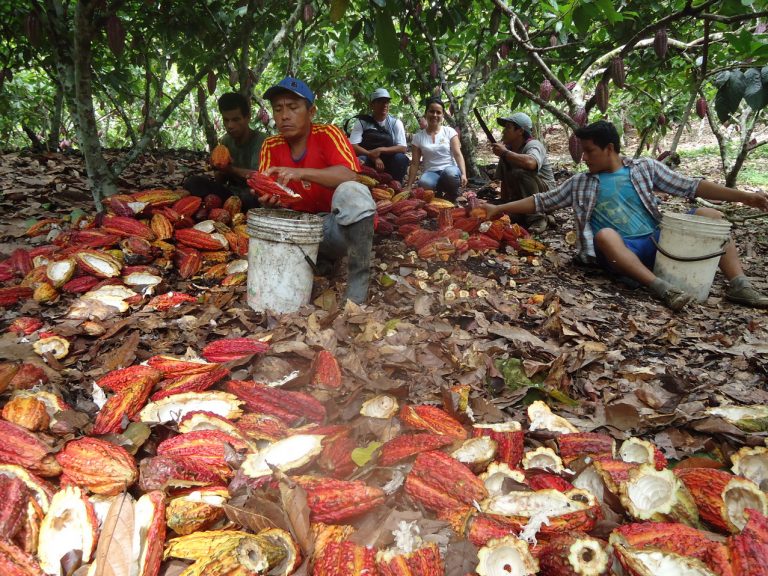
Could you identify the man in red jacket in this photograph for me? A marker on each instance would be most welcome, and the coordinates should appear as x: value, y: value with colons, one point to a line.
x: 317, y: 162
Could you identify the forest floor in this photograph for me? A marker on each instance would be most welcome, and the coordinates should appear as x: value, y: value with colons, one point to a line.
x: 512, y: 328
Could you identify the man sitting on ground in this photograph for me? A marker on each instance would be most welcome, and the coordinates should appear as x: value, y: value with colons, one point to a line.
x: 244, y: 145
x: 317, y: 162
x: 379, y: 139
x: 523, y: 169
x: 617, y: 218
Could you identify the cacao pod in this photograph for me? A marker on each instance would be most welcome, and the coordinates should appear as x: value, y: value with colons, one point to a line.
x: 433, y: 69
x: 574, y: 147
x: 32, y: 28
x: 309, y: 13
x: 601, y: 96
x: 220, y: 157
x: 211, y: 82
x: 264, y: 116
x: 580, y: 116
x: 660, y: 43
x: 617, y: 71
x: 545, y: 90
x: 404, y: 39
x: 553, y: 41
x: 662, y: 120
x: 504, y: 50
x: 701, y: 108
x: 115, y: 35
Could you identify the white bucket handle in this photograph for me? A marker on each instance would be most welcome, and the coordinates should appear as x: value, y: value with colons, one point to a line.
x: 688, y: 258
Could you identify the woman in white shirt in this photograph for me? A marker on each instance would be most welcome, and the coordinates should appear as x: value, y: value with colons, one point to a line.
x: 438, y: 146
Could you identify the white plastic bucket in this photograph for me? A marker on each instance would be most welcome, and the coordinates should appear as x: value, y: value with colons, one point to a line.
x: 686, y: 237
x: 279, y: 276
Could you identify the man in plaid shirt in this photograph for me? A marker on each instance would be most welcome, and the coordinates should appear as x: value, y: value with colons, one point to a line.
x: 617, y: 217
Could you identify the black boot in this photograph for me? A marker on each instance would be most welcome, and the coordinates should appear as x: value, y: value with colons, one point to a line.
x: 359, y: 237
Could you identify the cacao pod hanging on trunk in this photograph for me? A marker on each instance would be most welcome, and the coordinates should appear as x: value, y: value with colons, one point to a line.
x: 545, y: 90
x: 660, y: 43
x: 264, y: 116
x: 580, y: 116
x: 701, y: 108
x: 601, y: 96
x: 309, y: 13
x: 32, y: 28
x: 211, y: 82
x: 504, y: 50
x: 404, y: 39
x: 662, y: 120
x: 617, y: 71
x: 115, y: 35
x: 574, y: 147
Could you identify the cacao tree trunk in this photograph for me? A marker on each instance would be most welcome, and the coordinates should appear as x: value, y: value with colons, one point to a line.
x: 204, y: 119
x: 102, y: 180
x: 748, y: 121
x: 56, y: 114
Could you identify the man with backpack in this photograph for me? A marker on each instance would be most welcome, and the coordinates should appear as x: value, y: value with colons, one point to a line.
x: 378, y: 138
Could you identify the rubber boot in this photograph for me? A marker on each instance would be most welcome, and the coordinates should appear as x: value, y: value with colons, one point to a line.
x: 359, y: 238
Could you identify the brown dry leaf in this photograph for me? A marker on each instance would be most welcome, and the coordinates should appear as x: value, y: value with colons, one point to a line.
x: 698, y: 462
x: 294, y: 500
x: 622, y: 416
x: 250, y: 519
x: 114, y: 552
x: 124, y: 355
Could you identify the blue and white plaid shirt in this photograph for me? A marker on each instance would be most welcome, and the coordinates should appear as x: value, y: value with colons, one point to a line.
x: 581, y: 191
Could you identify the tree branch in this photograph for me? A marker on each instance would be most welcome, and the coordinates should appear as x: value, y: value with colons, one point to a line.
x: 735, y: 18
x: 277, y: 39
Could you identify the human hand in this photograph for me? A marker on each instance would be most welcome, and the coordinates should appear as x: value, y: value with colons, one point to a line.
x: 757, y: 200
x: 379, y: 164
x: 499, y: 149
x: 491, y: 210
x: 269, y: 201
x: 375, y: 153
x: 284, y: 174
x: 463, y: 180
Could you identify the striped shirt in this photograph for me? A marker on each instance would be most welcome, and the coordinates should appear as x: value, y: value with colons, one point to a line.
x: 581, y: 191
x: 326, y: 146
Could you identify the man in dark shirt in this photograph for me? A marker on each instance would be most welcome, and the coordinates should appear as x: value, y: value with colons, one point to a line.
x: 244, y: 145
x: 523, y: 169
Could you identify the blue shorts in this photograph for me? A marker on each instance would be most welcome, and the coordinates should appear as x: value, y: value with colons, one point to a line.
x: 642, y: 247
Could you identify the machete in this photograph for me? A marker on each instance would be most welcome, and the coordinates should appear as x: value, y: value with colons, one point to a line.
x: 483, y: 125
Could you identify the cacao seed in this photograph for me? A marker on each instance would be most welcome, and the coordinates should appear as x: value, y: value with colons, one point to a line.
x: 115, y: 35
x: 701, y: 108
x: 660, y: 43
x: 545, y: 90
x: 601, y: 96
x: 574, y: 147
x: 618, y: 73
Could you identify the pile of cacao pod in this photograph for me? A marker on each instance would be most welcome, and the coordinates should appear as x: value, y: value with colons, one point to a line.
x: 438, y: 229
x: 184, y: 463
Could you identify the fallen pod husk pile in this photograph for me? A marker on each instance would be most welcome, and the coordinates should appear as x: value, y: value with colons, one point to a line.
x: 186, y: 466
x: 220, y: 444
x: 119, y: 256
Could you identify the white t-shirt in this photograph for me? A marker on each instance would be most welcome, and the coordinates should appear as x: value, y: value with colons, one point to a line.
x: 435, y: 154
x: 391, y: 124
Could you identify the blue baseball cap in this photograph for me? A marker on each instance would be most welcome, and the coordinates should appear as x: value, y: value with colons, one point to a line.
x: 293, y: 85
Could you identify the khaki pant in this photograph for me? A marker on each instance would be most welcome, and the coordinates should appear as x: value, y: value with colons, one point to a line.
x: 518, y: 183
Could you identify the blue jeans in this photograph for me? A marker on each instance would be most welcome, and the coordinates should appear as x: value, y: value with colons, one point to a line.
x: 446, y: 181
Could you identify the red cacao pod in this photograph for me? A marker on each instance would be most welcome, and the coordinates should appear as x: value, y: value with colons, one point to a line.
x: 601, y: 96
x: 545, y: 90
x: 580, y: 116
x: 574, y: 147
x: 701, y: 108
x: 115, y: 35
x: 618, y: 73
